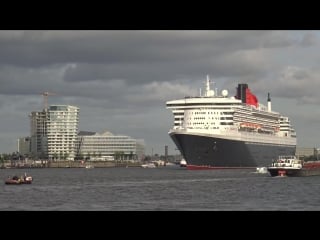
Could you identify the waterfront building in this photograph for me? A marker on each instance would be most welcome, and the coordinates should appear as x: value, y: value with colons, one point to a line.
x: 108, y: 147
x: 303, y: 152
x: 54, y: 132
x: 24, y: 146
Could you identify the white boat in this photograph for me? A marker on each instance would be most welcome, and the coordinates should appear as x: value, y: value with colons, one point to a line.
x: 262, y: 170
x: 183, y: 163
x: 148, y: 165
x: 170, y: 164
x: 291, y: 166
x: 89, y: 166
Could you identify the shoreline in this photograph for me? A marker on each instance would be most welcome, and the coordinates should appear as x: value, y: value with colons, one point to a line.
x: 72, y: 164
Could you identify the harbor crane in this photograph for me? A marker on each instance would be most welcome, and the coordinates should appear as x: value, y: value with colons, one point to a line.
x: 45, y: 98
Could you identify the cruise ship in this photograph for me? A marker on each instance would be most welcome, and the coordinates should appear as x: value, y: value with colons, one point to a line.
x: 217, y: 131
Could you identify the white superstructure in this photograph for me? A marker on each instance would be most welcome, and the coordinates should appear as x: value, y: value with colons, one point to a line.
x: 238, y: 118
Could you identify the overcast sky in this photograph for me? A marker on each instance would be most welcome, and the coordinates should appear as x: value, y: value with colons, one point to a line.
x: 121, y: 80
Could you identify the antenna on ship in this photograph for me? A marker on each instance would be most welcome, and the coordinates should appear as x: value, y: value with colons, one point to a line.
x: 269, y: 103
x: 209, y: 92
x: 208, y: 84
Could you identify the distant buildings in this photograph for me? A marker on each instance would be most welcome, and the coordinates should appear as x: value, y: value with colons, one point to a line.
x: 106, y: 146
x: 55, y: 136
x: 306, y: 152
x: 24, y: 146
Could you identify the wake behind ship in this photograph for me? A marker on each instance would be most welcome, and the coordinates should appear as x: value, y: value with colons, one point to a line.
x: 215, y: 131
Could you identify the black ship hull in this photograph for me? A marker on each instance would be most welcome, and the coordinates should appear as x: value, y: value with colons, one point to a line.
x: 203, y: 152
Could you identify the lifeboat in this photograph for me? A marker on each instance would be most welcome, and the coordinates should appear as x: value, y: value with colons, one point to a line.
x: 250, y: 125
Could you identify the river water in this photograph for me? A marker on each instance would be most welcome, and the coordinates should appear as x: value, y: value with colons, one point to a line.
x: 177, y: 189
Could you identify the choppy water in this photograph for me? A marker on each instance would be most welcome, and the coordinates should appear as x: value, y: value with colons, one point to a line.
x: 118, y: 189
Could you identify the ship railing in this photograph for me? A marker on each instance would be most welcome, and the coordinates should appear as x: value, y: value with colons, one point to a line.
x: 261, y: 108
x: 244, y: 136
x: 253, y: 137
x: 277, y: 164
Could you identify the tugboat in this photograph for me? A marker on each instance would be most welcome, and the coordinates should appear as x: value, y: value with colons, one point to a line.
x: 292, y: 167
x: 22, y: 180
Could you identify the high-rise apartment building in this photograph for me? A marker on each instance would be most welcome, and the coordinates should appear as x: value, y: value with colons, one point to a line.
x: 54, y: 132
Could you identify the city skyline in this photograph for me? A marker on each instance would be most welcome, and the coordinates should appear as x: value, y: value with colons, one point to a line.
x: 121, y: 80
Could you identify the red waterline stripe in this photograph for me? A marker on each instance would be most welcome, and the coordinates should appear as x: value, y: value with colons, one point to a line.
x: 199, y: 167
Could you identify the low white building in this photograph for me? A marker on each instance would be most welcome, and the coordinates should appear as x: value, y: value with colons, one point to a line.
x: 108, y: 147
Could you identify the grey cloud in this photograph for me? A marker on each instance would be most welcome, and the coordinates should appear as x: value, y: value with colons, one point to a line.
x: 278, y: 39
x: 15, y: 80
x: 298, y: 83
x: 38, y: 48
x: 122, y: 79
x: 309, y: 39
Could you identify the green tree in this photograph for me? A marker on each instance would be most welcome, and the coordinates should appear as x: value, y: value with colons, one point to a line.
x: 55, y: 156
x: 65, y: 156
x: 118, y: 155
x: 1, y: 160
x: 80, y: 156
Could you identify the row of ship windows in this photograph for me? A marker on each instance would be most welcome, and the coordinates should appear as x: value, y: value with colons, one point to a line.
x: 114, y: 138
x: 203, y: 104
x: 64, y: 131
x: 202, y: 112
x: 254, y: 120
x: 61, y: 139
x: 108, y: 141
x: 61, y: 145
x: 62, y: 120
x: 255, y: 117
x: 62, y: 123
x: 64, y: 144
x: 61, y: 135
x: 107, y: 145
x: 213, y: 118
x: 212, y: 123
x: 206, y: 127
x: 210, y: 113
x: 57, y: 150
x: 275, y: 117
x: 109, y: 149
